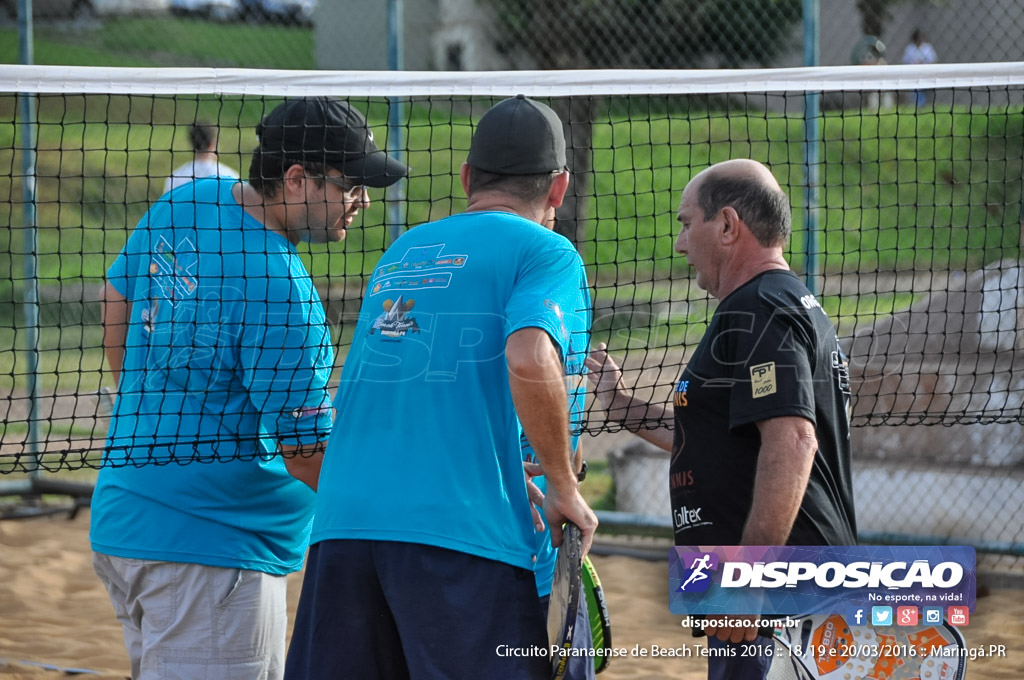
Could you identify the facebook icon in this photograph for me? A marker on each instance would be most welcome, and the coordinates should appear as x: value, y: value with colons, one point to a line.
x: 858, y: 617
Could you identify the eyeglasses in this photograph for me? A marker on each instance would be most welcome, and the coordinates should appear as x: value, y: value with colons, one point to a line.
x: 350, y: 191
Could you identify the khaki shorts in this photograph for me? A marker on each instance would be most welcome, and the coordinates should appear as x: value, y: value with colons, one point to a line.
x: 194, y: 622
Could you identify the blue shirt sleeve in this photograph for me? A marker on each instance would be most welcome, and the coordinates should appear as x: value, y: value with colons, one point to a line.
x: 547, y: 289
x: 131, y: 264
x: 286, y: 359
x: 117, y: 275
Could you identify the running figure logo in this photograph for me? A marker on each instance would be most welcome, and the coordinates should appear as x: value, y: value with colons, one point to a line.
x: 698, y: 571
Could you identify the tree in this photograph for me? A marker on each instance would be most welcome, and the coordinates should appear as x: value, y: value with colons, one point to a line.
x: 644, y: 33
x: 873, y: 14
x: 580, y: 34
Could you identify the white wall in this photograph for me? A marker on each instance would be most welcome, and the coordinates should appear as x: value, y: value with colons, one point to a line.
x: 353, y: 34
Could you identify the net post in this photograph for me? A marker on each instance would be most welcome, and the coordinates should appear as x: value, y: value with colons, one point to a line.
x: 30, y: 237
x: 812, y: 137
x: 396, y: 108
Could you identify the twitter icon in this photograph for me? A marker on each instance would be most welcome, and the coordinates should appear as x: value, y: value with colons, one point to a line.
x: 881, y: 616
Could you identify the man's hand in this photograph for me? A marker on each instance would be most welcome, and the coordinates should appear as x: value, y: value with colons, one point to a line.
x: 303, y: 462
x: 539, y: 500
x: 605, y: 377
x: 534, y: 493
x: 561, y: 505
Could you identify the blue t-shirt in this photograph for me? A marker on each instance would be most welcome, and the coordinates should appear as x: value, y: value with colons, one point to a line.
x: 426, y: 448
x: 227, y: 354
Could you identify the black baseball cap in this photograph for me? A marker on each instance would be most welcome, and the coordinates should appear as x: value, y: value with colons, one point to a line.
x: 328, y: 131
x: 518, y: 136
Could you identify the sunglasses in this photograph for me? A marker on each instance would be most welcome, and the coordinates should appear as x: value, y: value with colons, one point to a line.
x: 349, y: 190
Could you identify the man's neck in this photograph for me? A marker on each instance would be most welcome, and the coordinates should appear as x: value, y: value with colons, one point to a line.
x: 745, y: 266
x: 504, y: 203
x: 256, y: 206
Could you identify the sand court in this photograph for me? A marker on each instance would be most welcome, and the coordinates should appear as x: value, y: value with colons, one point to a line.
x: 54, y: 611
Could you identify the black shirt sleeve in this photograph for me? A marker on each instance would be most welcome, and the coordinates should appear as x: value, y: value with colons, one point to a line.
x: 773, y: 351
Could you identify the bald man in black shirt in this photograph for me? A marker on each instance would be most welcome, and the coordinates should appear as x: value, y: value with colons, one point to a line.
x: 760, y: 431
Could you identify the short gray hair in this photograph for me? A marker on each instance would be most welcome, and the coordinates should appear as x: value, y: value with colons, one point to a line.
x: 763, y: 207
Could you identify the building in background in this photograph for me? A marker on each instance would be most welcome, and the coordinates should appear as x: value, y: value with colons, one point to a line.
x: 364, y: 25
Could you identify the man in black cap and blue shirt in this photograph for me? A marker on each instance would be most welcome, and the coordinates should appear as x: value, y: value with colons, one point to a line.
x: 423, y: 546
x: 219, y: 343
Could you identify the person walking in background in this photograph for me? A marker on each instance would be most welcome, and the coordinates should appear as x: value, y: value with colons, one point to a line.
x: 219, y: 343
x: 760, y: 428
x: 424, y: 545
x: 870, y: 51
x: 919, y: 51
x: 204, y: 163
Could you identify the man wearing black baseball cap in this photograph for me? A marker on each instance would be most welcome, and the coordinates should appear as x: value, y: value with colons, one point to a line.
x: 328, y: 132
x: 309, y: 173
x: 423, y: 544
x: 219, y: 343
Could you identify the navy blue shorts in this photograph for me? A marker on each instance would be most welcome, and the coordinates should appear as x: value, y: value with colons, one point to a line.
x: 389, y: 610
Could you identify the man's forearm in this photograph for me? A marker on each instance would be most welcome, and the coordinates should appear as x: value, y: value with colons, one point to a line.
x: 538, y: 392
x: 116, y: 312
x: 663, y: 434
x: 536, y: 381
x: 638, y: 416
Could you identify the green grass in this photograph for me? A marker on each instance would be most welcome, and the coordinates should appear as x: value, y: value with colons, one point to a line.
x: 71, y: 359
x: 167, y: 41
x: 916, y: 191
x: 67, y: 428
x: 102, y: 160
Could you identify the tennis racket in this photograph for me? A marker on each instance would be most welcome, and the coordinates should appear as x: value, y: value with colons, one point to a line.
x: 820, y: 649
x: 565, y: 598
x: 597, y: 610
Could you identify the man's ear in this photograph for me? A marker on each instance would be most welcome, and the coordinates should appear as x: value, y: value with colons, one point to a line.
x: 556, y: 195
x: 464, y: 177
x: 293, y: 182
x: 731, y: 224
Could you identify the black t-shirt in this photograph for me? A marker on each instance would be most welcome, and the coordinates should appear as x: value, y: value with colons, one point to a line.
x: 769, y: 351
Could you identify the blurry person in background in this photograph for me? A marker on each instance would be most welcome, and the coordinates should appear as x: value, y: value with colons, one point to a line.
x: 870, y: 51
x: 204, y: 163
x: 919, y: 51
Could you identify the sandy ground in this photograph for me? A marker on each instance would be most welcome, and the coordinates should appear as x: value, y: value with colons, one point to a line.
x: 54, y: 611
